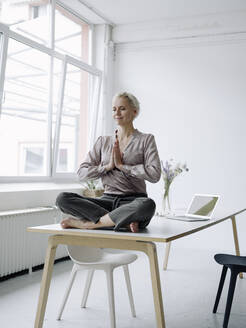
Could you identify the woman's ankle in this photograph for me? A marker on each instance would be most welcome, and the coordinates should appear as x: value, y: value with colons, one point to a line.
x: 105, y: 221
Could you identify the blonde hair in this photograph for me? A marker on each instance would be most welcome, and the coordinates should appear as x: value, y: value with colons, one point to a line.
x: 132, y: 100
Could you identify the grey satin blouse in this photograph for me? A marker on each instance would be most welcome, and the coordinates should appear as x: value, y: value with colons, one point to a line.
x: 140, y: 162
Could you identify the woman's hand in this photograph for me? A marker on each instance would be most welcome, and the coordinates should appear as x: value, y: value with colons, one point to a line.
x: 116, y: 158
x: 111, y: 164
x: 117, y: 155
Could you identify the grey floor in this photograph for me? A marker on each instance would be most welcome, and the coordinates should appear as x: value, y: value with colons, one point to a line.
x: 188, y: 287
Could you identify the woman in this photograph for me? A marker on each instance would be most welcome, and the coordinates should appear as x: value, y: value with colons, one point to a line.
x: 123, y: 162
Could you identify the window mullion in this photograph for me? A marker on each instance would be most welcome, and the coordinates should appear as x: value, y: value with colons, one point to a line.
x: 52, y: 24
x: 51, y: 86
x: 49, y: 117
x: 3, y: 59
x: 96, y: 91
x: 80, y: 64
x: 59, y: 115
x: 99, y: 84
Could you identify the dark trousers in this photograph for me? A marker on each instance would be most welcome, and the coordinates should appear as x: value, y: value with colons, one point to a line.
x: 122, y: 209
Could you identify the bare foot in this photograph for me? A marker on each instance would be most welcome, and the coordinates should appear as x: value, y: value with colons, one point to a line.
x: 134, y: 227
x: 76, y: 223
x: 71, y: 222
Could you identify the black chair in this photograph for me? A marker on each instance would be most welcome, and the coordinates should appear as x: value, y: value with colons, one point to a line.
x: 237, y: 264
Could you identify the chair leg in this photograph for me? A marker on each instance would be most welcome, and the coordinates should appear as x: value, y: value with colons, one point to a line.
x: 221, y: 284
x: 67, y: 292
x: 129, y: 289
x: 87, y: 287
x: 230, y: 297
x: 110, y: 285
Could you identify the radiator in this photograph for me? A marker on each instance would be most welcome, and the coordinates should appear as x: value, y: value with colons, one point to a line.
x: 19, y: 249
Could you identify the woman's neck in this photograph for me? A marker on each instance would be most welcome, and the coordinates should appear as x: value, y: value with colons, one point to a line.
x: 125, y: 131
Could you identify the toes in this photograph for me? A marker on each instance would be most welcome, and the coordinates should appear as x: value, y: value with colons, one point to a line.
x: 64, y: 224
x: 134, y: 227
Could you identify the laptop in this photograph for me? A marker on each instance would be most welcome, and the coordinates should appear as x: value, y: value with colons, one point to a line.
x: 201, y: 208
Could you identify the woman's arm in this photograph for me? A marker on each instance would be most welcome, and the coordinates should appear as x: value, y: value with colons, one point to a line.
x: 151, y: 169
x: 91, y: 167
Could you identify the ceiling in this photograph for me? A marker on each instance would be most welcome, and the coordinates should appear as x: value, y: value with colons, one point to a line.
x: 132, y: 11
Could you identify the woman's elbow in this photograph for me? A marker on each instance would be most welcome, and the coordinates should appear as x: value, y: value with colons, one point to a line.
x: 82, y: 174
x: 154, y: 178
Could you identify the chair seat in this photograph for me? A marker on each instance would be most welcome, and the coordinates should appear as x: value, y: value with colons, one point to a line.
x: 231, y: 260
x: 110, y: 259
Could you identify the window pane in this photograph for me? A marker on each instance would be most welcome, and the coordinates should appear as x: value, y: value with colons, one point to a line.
x: 71, y: 35
x: 74, y: 123
x: 24, y: 111
x: 63, y: 160
x: 32, y: 157
x: 29, y: 18
x: 34, y: 160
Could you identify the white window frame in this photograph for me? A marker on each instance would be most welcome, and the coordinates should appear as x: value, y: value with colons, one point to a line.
x: 52, y: 152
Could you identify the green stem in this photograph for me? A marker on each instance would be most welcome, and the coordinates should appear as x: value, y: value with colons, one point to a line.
x: 166, y: 192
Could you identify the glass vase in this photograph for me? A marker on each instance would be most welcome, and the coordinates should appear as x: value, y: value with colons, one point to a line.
x: 166, y: 205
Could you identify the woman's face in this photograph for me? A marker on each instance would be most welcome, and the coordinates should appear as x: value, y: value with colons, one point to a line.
x: 123, y: 113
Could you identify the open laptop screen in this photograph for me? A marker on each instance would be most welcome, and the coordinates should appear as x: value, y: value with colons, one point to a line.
x: 202, y: 205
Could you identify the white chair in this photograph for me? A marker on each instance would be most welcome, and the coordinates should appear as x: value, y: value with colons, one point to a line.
x: 91, y: 259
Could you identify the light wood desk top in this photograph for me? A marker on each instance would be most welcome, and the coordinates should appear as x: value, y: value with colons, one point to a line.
x: 160, y: 229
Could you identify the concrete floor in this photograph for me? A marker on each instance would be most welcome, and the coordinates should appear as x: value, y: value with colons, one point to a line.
x: 189, y: 287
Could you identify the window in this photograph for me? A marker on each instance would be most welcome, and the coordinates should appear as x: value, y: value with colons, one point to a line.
x: 32, y: 157
x: 71, y: 35
x: 25, y: 108
x: 46, y: 95
x: 74, y: 115
x: 29, y: 18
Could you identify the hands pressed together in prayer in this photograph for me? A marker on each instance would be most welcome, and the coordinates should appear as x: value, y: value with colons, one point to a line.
x: 116, y: 156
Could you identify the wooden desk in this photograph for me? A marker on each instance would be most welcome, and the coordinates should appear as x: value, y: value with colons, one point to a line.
x: 159, y: 230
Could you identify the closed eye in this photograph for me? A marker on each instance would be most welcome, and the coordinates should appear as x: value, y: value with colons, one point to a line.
x: 120, y: 108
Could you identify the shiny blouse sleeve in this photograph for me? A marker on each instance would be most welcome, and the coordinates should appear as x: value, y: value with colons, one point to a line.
x: 91, y: 167
x: 151, y: 169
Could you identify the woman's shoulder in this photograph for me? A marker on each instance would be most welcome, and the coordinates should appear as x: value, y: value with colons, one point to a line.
x: 104, y: 140
x: 145, y: 135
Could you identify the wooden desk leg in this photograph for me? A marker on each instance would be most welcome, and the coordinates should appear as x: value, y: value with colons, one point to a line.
x: 156, y: 286
x: 167, y: 251
x: 234, y: 228
x: 45, y: 284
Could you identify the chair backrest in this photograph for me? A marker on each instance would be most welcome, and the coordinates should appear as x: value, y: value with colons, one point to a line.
x: 84, y: 254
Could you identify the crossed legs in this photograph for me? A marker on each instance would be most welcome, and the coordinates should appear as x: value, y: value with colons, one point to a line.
x: 87, y: 213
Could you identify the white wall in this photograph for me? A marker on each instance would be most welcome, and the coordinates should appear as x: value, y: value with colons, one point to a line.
x: 193, y: 100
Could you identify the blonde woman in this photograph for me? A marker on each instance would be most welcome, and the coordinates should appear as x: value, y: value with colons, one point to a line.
x: 123, y: 162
